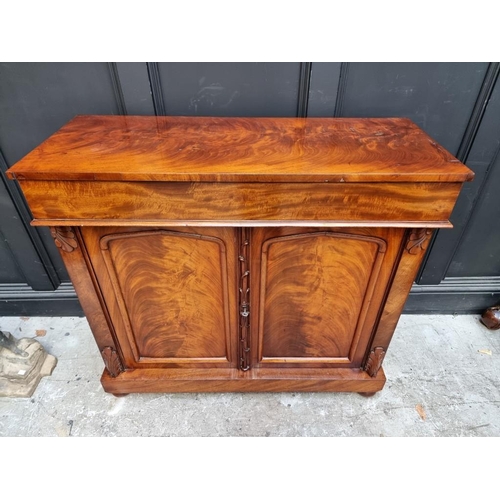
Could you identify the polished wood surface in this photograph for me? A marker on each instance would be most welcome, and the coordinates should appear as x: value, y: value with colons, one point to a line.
x: 83, y: 277
x: 241, y: 254
x: 313, y: 288
x: 412, y: 253
x: 175, y: 311
x: 170, y: 293
x: 491, y: 318
x: 233, y: 380
x: 136, y: 148
x: 319, y: 293
x: 68, y: 201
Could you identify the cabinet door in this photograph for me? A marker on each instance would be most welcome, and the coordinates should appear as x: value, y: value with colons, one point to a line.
x: 316, y: 293
x: 170, y: 293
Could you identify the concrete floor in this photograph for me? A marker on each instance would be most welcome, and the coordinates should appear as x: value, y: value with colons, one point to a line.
x: 439, y: 384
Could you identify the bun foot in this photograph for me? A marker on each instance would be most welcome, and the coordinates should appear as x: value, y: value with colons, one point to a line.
x: 120, y: 395
x: 367, y: 394
x: 491, y: 318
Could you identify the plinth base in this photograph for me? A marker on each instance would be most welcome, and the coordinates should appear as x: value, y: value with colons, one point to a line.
x: 232, y: 380
x: 19, y: 376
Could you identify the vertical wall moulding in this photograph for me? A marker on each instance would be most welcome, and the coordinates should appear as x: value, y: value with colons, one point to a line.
x: 303, y: 93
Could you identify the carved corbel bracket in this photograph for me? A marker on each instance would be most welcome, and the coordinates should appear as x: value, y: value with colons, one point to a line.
x: 374, y: 361
x: 112, y: 361
x: 417, y: 240
x: 64, y: 238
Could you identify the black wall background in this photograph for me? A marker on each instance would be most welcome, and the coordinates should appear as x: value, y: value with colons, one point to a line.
x: 458, y: 104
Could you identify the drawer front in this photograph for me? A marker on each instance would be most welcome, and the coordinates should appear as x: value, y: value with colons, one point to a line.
x: 109, y: 203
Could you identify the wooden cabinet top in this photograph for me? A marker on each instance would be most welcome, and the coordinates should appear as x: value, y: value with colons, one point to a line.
x: 203, y: 149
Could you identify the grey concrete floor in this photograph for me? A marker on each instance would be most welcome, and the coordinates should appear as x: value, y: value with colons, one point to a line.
x: 439, y: 384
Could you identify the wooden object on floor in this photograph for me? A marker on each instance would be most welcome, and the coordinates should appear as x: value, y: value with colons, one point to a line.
x: 491, y: 318
x: 241, y: 254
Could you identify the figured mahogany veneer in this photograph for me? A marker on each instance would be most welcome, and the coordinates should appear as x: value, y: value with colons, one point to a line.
x: 181, y: 202
x: 179, y: 148
x: 320, y: 292
x: 241, y: 254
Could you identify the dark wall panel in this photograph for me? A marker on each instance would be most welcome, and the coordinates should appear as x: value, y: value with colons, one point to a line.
x: 479, y: 250
x: 323, y: 89
x: 230, y: 89
x: 439, y: 97
x: 9, y: 272
x: 135, y: 87
x: 19, y: 244
x: 481, y: 160
x: 36, y: 99
x: 445, y: 99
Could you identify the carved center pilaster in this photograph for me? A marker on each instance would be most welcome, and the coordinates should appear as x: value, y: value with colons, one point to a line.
x: 244, y: 290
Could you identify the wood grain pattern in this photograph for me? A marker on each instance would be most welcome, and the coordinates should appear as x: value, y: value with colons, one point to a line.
x: 172, y: 288
x: 319, y: 293
x: 89, y: 294
x: 243, y: 223
x: 312, y: 291
x: 295, y: 244
x: 168, y: 293
x: 283, y: 202
x: 255, y: 380
x: 401, y: 283
x: 200, y: 149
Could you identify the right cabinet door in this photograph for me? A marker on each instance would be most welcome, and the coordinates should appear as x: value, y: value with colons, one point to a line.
x: 316, y: 293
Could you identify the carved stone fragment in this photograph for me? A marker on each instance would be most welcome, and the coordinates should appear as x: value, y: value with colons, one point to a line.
x: 23, y: 363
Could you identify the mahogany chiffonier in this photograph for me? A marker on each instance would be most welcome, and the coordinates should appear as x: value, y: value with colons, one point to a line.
x: 241, y: 254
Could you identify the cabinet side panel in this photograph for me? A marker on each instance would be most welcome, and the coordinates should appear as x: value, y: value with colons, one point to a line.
x: 78, y: 263
x: 412, y: 253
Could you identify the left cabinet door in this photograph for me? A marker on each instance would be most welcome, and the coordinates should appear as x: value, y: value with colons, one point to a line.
x: 170, y: 293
